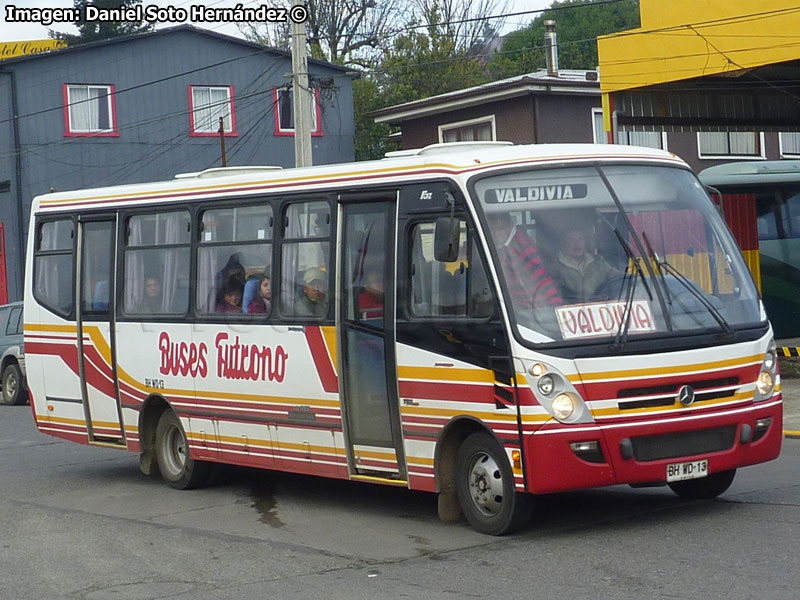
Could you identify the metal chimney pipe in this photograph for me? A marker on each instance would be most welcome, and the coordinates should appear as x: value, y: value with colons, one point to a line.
x: 551, y: 48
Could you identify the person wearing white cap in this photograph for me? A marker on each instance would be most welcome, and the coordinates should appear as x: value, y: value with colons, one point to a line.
x: 314, y: 301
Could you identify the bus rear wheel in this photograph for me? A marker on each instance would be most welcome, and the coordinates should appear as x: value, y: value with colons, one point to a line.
x: 485, y: 487
x: 703, y: 489
x: 177, y: 467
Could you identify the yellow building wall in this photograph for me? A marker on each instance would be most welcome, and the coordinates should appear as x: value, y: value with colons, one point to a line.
x: 683, y: 39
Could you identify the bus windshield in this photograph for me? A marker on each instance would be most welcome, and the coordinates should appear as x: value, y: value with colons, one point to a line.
x: 609, y: 252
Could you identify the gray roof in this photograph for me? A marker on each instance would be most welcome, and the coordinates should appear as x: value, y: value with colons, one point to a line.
x: 167, y: 31
x: 567, y: 82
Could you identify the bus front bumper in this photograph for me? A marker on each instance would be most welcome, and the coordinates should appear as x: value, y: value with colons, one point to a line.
x: 571, y: 457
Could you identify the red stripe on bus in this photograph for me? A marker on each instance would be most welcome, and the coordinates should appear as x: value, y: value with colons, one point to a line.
x: 322, y: 359
x: 446, y: 390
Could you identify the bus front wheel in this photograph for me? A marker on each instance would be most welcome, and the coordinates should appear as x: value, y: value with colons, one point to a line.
x: 177, y: 468
x: 485, y: 486
x: 703, y: 489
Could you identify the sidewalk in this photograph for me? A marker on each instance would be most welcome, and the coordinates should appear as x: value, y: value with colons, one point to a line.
x: 790, y: 388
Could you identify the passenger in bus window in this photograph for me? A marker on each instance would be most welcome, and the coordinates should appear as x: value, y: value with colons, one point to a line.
x: 370, y: 299
x: 314, y: 300
x: 231, y: 297
x: 232, y: 271
x: 262, y: 303
x: 151, y: 298
x: 529, y: 283
x: 578, y: 271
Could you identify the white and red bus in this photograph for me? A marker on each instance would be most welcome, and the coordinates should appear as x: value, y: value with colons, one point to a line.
x: 484, y: 321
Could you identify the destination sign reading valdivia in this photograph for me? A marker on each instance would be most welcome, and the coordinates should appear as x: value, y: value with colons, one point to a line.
x: 561, y: 191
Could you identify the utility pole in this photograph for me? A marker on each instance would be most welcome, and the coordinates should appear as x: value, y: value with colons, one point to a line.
x: 302, y: 95
x: 221, y: 132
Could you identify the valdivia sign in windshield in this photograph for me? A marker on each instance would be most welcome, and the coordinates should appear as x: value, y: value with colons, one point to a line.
x: 560, y: 191
x: 604, y: 318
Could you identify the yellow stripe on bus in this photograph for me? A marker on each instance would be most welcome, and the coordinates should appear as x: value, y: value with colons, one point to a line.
x: 65, y: 421
x: 51, y: 328
x: 656, y: 371
x: 447, y: 374
x: 615, y: 411
x: 329, y: 333
x: 442, y: 412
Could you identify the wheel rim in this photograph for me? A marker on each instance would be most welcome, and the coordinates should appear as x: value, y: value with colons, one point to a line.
x: 10, y: 386
x: 486, y: 484
x: 174, y: 451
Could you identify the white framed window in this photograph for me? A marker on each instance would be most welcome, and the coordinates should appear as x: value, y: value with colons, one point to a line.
x: 789, y: 143
x: 284, y: 112
x: 482, y: 129
x: 207, y: 104
x: 649, y: 139
x: 598, y: 131
x: 725, y: 144
x: 89, y: 109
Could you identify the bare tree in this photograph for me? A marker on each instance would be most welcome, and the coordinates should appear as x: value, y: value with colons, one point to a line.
x: 347, y: 32
x: 465, y: 22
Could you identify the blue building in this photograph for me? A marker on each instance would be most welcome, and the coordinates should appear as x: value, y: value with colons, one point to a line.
x: 146, y: 107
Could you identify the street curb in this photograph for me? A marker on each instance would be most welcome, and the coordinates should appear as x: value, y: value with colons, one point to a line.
x: 795, y: 435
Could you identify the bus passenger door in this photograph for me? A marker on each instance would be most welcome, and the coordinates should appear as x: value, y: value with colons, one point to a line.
x: 368, y: 369
x: 95, y: 307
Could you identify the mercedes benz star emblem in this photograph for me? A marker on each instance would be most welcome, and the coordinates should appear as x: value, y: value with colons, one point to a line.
x: 685, y: 395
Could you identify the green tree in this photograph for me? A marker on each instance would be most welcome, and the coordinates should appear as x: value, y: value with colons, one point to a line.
x: 422, y: 63
x: 371, y: 139
x: 578, y: 24
x: 95, y: 31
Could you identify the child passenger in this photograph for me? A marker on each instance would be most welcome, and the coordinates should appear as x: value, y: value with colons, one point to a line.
x: 262, y: 302
x: 232, y: 297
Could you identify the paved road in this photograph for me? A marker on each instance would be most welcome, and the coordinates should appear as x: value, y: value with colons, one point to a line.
x: 790, y: 388
x: 81, y: 523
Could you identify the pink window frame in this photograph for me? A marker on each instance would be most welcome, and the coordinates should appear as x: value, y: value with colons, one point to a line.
x: 193, y: 133
x: 290, y: 132
x: 111, y: 91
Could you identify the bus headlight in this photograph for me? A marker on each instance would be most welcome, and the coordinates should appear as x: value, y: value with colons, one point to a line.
x: 538, y: 369
x: 769, y: 360
x: 557, y: 395
x: 765, y: 383
x: 545, y: 385
x: 563, y: 406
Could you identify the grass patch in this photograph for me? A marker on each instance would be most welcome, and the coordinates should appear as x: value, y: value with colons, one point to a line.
x: 789, y: 367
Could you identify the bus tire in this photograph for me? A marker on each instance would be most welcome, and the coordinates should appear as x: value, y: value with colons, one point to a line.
x: 177, y: 467
x: 485, y: 487
x: 13, y: 386
x: 703, y: 489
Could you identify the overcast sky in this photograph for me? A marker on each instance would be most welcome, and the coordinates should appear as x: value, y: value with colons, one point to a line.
x: 16, y: 31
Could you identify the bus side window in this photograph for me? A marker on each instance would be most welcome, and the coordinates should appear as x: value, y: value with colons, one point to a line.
x: 447, y: 289
x: 234, y: 253
x: 54, y: 280
x: 305, y: 251
x: 156, y: 263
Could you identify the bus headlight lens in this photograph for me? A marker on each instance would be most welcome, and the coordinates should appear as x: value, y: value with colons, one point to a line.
x: 769, y: 360
x: 563, y: 406
x: 538, y: 369
x: 765, y: 383
x: 546, y: 385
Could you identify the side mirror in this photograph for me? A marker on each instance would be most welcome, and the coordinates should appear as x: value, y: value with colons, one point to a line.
x: 446, y: 239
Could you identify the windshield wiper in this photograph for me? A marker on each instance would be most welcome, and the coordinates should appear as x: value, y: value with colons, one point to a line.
x: 654, y: 257
x: 612, y: 192
x: 622, y: 331
x: 663, y: 265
